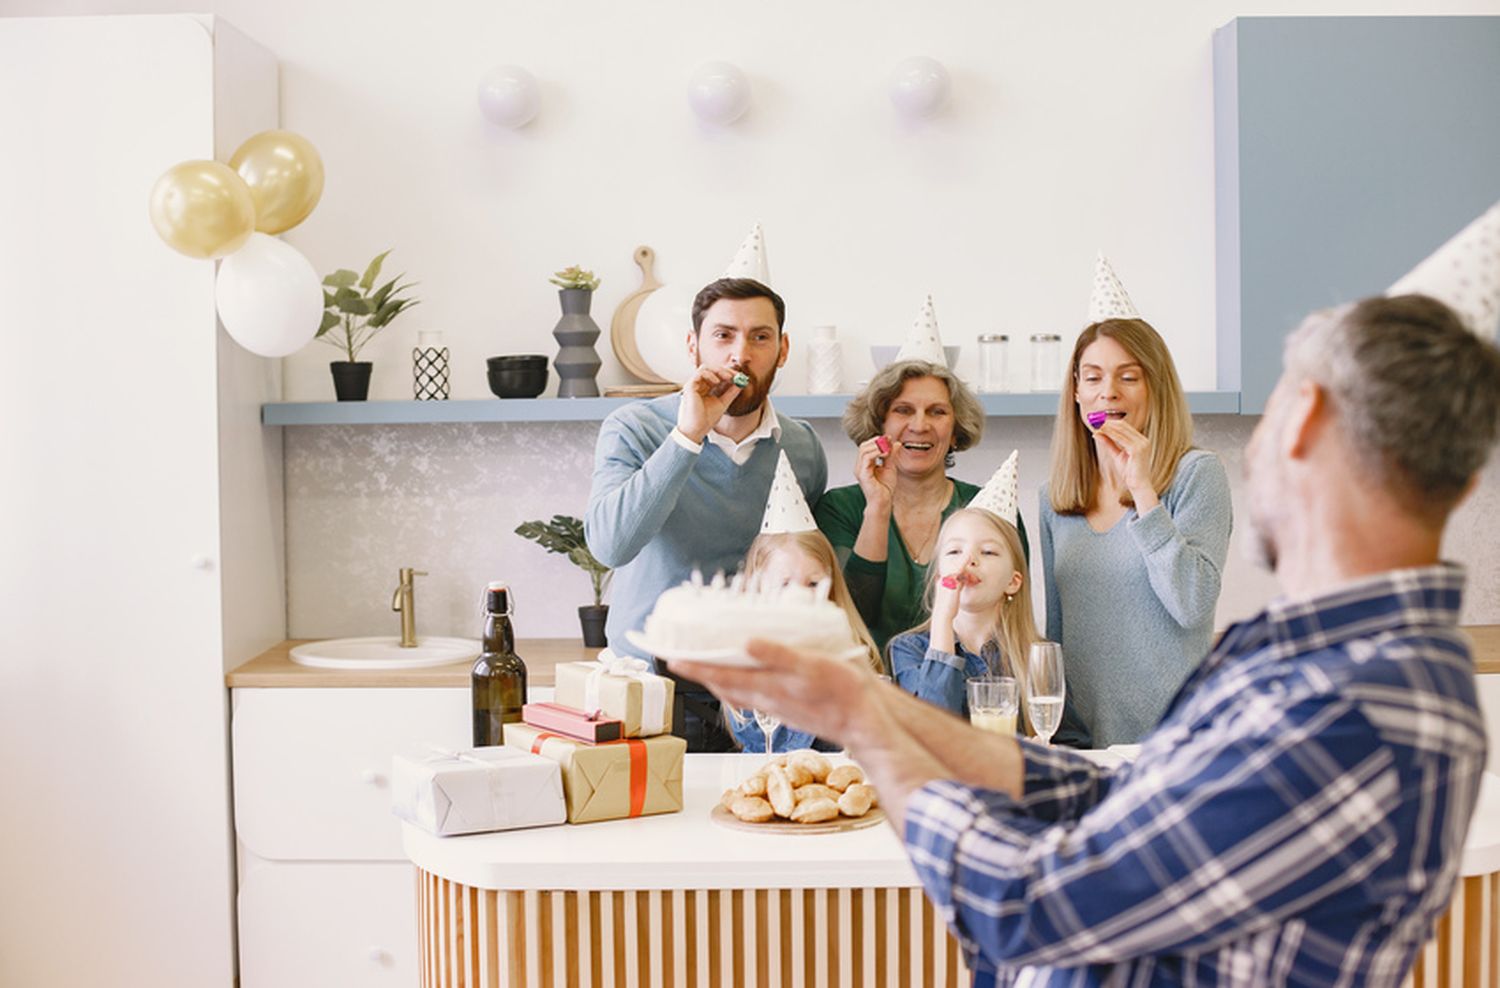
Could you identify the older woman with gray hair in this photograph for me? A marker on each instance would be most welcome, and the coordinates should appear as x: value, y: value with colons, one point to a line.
x: 908, y: 422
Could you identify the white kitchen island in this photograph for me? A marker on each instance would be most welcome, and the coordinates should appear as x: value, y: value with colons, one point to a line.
x: 678, y: 900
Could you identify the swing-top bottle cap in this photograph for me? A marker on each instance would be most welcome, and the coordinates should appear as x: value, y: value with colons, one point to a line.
x: 497, y: 598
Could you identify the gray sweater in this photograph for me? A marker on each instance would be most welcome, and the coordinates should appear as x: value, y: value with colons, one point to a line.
x: 1134, y: 606
x: 657, y: 511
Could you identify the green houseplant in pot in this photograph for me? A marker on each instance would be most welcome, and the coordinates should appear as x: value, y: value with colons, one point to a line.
x: 564, y: 535
x: 354, y: 310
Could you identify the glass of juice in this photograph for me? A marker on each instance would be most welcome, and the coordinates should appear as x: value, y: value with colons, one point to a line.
x: 993, y: 701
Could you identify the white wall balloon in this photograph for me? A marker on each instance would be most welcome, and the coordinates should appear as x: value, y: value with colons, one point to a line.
x: 509, y: 96
x: 718, y: 92
x: 919, y: 86
x: 270, y: 299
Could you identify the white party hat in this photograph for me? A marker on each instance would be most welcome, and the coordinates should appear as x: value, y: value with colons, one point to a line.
x: 998, y: 496
x: 1109, y: 300
x: 923, y: 342
x: 786, y: 508
x: 1464, y: 274
x: 750, y: 260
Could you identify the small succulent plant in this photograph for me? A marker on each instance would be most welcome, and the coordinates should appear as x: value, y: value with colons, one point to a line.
x: 575, y: 277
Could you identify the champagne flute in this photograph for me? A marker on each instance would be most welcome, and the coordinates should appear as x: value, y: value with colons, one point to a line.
x: 768, y: 724
x: 1045, y: 690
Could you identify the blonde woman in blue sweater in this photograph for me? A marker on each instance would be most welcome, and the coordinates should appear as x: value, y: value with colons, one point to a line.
x: 1135, y: 527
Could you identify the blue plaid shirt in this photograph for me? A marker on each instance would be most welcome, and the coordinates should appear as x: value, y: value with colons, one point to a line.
x: 1297, y: 817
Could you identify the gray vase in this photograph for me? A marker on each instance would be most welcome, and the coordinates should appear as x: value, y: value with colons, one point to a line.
x: 577, y: 364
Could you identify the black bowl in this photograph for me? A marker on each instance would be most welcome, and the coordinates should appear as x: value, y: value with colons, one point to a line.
x: 515, y: 361
x: 518, y: 382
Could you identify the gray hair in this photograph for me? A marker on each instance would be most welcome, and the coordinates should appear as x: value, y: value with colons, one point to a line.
x: 865, y: 414
x: 1417, y: 394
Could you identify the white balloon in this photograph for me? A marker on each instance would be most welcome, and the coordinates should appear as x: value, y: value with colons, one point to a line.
x: 270, y: 299
x: 718, y: 92
x: 509, y: 96
x: 919, y: 86
x: 662, y: 325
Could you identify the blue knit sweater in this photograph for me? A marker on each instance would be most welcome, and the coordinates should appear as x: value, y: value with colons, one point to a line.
x: 1134, y: 606
x: 657, y: 511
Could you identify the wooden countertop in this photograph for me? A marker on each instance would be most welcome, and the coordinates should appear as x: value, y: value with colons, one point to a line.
x: 1486, y: 639
x: 274, y: 667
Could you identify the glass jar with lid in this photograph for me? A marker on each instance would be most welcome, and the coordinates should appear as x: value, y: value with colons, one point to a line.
x: 1046, y: 362
x: 992, y: 361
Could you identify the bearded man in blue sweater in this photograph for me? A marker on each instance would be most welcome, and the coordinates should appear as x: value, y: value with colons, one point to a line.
x: 680, y: 482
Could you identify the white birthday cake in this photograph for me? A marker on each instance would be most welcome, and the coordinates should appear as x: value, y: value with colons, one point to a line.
x: 716, y: 617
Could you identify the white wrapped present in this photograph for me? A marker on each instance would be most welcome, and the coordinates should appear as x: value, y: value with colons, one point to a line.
x: 476, y: 790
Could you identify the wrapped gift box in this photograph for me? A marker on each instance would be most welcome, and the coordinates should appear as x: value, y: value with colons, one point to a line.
x: 477, y: 790
x: 613, y: 780
x: 566, y: 721
x: 619, y: 687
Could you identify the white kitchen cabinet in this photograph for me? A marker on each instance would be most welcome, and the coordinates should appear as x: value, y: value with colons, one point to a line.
x: 326, y: 894
x: 143, y: 543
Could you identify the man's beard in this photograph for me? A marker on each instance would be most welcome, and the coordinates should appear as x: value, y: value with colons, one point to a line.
x: 753, y: 395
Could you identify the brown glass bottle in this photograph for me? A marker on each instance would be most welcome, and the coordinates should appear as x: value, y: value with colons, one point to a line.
x: 498, y: 682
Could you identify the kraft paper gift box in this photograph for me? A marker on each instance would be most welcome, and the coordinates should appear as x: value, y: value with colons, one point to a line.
x: 476, y: 790
x: 619, y: 687
x: 614, y: 780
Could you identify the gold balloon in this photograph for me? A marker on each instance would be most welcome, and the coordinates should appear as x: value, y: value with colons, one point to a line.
x: 202, y: 209
x: 285, y: 175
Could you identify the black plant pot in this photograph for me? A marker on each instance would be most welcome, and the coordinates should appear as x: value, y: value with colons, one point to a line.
x: 351, y: 380
x: 592, y: 617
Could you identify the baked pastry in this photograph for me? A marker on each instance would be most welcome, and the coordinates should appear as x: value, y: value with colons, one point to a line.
x: 844, y: 776
x: 816, y: 765
x: 752, y: 809
x: 819, y: 810
x: 779, y: 791
x: 814, y: 790
x: 857, y: 800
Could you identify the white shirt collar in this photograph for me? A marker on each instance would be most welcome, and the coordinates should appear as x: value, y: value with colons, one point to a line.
x: 739, y: 452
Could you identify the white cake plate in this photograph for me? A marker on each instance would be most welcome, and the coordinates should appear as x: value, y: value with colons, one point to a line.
x: 712, y: 657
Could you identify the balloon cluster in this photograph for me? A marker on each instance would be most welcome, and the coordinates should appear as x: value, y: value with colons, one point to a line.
x: 269, y: 297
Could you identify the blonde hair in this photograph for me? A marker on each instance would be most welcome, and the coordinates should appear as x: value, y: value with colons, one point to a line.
x: 1075, y: 465
x: 864, y: 416
x: 1013, y: 626
x: 816, y: 545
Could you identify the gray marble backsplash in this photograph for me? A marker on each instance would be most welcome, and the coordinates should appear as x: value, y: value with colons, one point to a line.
x: 363, y: 501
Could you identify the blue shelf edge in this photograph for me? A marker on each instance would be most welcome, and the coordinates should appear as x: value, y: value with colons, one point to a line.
x: 1034, y: 404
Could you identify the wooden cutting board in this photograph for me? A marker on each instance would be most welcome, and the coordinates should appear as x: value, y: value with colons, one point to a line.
x: 622, y: 325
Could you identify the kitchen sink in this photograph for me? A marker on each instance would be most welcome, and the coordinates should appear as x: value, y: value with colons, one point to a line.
x: 383, y: 653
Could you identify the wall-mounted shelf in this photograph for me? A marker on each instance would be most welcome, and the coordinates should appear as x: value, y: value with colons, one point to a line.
x: 1035, y: 404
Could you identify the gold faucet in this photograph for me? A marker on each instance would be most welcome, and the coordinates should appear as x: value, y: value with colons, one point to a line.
x: 404, y: 600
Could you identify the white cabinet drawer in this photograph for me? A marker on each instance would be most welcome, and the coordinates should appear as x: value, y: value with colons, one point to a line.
x: 312, y: 766
x: 315, y: 925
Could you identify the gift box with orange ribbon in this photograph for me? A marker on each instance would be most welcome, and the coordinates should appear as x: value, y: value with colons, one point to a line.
x: 613, y: 780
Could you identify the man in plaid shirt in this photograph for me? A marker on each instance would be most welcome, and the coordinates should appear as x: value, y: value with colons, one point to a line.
x: 1298, y: 815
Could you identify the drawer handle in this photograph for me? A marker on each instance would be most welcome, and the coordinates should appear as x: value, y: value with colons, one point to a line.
x: 379, y: 956
x: 372, y: 777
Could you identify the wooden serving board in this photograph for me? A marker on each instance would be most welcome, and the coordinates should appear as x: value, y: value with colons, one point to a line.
x: 622, y: 325
x: 724, y: 818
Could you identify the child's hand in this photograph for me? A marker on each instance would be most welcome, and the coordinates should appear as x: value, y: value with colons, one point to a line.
x: 946, y: 598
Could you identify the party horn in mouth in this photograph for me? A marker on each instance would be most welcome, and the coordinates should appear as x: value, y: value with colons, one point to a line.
x: 741, y: 379
x: 884, y: 445
x: 1096, y: 419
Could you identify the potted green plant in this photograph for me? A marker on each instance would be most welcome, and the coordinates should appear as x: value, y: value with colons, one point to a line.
x: 564, y: 535
x: 354, y: 310
x: 576, y: 362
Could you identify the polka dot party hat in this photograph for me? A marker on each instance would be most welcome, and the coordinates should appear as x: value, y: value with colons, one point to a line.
x: 923, y: 342
x: 998, y: 496
x: 1108, y: 299
x: 750, y: 260
x: 1464, y: 274
x: 786, y: 508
